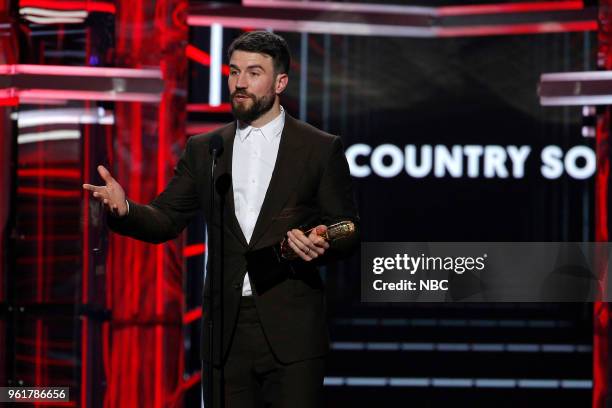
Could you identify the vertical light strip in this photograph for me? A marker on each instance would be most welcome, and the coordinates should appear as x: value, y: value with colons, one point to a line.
x: 344, y: 86
x: 216, y: 49
x: 40, y: 268
x: 303, y: 76
x: 326, y: 80
x: 161, y: 266
x: 565, y: 135
x: 586, y: 188
x: 85, y: 153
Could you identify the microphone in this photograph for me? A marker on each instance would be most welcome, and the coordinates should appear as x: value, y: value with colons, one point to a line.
x: 215, y: 147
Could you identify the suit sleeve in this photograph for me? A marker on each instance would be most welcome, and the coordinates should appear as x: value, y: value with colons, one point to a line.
x: 169, y: 213
x: 336, y: 202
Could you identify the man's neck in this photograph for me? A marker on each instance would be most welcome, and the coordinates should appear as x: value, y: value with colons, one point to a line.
x: 266, y: 118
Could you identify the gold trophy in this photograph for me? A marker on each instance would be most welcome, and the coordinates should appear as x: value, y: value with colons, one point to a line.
x: 334, y: 233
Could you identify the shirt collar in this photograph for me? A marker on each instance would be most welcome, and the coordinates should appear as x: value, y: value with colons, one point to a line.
x: 270, y: 130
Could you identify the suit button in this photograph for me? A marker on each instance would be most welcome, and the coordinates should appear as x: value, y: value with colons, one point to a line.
x: 237, y: 286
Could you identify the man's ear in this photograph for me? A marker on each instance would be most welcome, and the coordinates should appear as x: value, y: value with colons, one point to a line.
x: 281, y: 82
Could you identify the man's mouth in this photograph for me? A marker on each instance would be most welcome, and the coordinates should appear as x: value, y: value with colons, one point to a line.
x: 241, y: 97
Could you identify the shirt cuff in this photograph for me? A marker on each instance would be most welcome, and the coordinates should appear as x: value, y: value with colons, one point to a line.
x: 128, y: 207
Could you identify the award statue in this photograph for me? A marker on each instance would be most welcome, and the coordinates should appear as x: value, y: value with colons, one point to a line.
x: 334, y: 233
x: 269, y: 266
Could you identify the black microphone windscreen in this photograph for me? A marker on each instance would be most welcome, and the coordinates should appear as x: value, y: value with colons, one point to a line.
x: 215, y: 148
x: 223, y: 183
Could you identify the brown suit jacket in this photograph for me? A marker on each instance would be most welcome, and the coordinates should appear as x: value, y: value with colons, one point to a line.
x: 310, y: 185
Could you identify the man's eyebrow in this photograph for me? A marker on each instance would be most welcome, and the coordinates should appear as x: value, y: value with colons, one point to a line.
x: 256, y: 66
x: 249, y: 67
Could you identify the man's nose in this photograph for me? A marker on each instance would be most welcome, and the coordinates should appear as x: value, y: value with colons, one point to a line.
x: 241, y: 83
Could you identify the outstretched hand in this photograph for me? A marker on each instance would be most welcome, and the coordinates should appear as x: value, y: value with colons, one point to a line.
x: 111, y: 195
x: 308, y: 247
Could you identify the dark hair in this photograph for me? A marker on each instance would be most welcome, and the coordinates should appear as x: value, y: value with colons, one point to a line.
x: 266, y: 43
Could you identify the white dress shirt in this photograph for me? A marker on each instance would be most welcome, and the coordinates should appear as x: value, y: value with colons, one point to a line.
x: 253, y: 159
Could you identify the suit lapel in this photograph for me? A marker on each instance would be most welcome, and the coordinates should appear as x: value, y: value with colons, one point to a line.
x: 287, y: 169
x: 224, y: 165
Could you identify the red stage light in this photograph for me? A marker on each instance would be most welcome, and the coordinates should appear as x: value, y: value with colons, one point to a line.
x: 192, y: 315
x: 475, y: 9
x: 205, y: 107
x: 517, y: 29
x: 203, y: 58
x: 91, y: 6
x: 193, y: 250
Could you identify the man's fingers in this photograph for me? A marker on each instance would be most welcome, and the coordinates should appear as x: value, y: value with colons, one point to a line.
x: 307, y: 244
x: 304, y: 243
x: 299, y: 250
x: 91, y: 187
x: 300, y: 240
x: 316, y: 248
x: 314, y: 242
x: 99, y: 193
x: 322, y: 245
x: 308, y: 247
x: 316, y: 237
x: 303, y: 250
x: 318, y: 241
x: 320, y: 229
x: 105, y: 174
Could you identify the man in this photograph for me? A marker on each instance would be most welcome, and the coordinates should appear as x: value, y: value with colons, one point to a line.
x: 285, y: 176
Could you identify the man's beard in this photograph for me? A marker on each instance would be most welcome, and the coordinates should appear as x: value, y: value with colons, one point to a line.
x: 259, y: 107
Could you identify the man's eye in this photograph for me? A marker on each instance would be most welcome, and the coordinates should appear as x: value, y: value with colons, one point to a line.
x: 234, y: 73
x: 254, y: 73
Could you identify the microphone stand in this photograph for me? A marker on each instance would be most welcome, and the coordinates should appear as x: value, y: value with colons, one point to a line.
x: 211, y: 281
x: 222, y: 184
